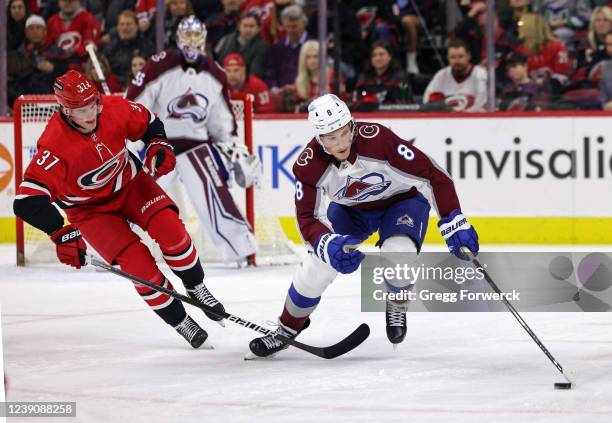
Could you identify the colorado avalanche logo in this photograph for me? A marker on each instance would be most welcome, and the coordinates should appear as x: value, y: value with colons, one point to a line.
x: 306, y: 155
x: 190, y: 105
x: 369, y: 131
x: 358, y: 189
x: 99, y: 177
x: 69, y: 40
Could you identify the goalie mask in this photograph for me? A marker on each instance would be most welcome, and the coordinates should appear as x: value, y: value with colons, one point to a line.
x: 327, y: 114
x: 191, y: 38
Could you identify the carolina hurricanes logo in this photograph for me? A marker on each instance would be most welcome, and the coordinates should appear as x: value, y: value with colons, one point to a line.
x: 369, y: 131
x: 359, y: 189
x: 69, y: 40
x: 99, y: 177
x: 306, y: 155
x: 190, y: 105
x: 460, y: 102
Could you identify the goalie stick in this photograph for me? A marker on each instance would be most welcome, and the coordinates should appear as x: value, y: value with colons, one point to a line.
x: 347, y: 344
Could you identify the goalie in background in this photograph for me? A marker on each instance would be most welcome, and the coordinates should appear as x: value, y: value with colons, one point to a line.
x: 189, y: 92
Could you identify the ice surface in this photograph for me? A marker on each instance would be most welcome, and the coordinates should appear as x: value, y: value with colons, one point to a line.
x: 86, y: 336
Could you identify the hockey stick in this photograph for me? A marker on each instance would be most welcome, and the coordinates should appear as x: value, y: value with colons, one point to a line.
x: 91, y: 50
x: 567, y: 374
x: 347, y: 344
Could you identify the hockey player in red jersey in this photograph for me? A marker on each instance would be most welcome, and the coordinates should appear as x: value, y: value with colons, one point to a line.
x: 374, y: 180
x: 82, y: 164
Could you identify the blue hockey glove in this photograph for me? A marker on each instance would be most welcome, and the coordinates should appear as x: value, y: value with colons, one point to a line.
x: 339, y: 252
x: 457, y: 232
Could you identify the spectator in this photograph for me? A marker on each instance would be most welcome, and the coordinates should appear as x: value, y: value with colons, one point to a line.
x: 353, y: 51
x: 112, y: 81
x: 521, y: 93
x: 137, y: 63
x: 248, y: 43
x: 283, y: 56
x: 73, y: 28
x: 307, y: 79
x: 15, y: 30
x: 593, y: 50
x: 222, y: 23
x: 125, y: 44
x: 410, y: 24
x: 378, y: 21
x: 176, y: 10
x: 145, y: 12
x: 565, y: 17
x: 272, y: 30
x: 519, y: 8
x: 547, y: 56
x: 383, y: 82
x: 240, y: 81
x: 472, y: 31
x: 605, y: 83
x: 37, y: 62
x: 461, y: 86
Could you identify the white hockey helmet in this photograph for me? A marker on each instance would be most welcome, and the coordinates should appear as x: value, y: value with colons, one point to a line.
x: 328, y: 113
x: 191, y: 38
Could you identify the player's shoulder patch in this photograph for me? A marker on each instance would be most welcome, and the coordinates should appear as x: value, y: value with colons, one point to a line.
x: 368, y: 130
x: 310, y: 163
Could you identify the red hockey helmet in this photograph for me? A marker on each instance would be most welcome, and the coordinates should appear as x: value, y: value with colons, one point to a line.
x: 74, y: 90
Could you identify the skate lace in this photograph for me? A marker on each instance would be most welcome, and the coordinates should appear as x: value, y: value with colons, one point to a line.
x: 270, y: 341
x: 204, y: 296
x: 396, y: 317
x: 188, y: 328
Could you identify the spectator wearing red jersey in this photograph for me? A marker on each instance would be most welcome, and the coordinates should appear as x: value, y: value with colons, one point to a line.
x: 547, y: 57
x: 240, y: 81
x: 145, y: 11
x: 73, y: 28
x: 272, y: 29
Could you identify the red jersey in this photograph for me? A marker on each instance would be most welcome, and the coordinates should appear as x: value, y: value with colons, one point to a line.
x: 75, y: 33
x: 145, y: 9
x: 259, y: 90
x: 551, y: 61
x: 75, y: 169
x: 381, y: 169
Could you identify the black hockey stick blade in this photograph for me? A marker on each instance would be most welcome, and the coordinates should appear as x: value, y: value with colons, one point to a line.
x: 347, y: 344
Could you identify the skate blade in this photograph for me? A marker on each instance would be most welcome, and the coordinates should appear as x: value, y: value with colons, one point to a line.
x: 395, y: 347
x: 220, y: 322
x: 206, y: 346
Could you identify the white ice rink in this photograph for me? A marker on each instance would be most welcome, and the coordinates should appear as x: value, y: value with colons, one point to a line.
x: 86, y: 336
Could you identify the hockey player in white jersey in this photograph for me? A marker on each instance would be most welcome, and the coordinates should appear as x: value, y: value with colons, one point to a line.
x: 373, y: 179
x: 188, y: 91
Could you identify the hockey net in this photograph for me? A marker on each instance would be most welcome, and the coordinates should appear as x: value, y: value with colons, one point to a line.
x: 31, y: 114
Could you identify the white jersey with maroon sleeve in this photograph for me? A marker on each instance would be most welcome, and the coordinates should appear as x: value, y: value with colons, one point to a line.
x: 468, y: 94
x: 380, y: 170
x: 192, y: 101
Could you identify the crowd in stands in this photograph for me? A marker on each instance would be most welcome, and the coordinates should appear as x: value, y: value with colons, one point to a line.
x: 382, y: 55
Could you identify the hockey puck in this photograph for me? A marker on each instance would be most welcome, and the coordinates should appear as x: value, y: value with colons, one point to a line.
x: 563, y: 385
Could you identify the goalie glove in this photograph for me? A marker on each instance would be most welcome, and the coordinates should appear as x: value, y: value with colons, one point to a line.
x: 246, y: 168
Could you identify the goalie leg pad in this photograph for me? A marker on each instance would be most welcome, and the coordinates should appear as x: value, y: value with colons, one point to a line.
x: 176, y: 245
x: 137, y: 260
x: 213, y: 202
x: 311, y: 279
